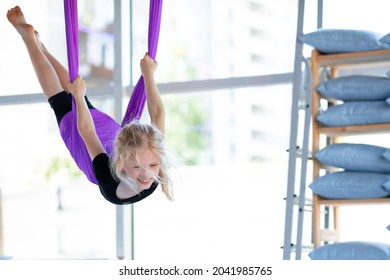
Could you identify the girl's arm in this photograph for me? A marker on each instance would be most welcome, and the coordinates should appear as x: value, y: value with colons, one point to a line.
x: 154, y: 103
x: 85, y: 124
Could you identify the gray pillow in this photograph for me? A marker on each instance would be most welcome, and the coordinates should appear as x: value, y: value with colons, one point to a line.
x: 343, y: 40
x: 352, y: 250
x: 356, y: 113
x: 356, y: 88
x: 351, y: 185
x: 355, y: 157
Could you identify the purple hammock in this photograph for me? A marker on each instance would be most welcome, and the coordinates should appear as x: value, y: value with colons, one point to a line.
x: 106, y: 127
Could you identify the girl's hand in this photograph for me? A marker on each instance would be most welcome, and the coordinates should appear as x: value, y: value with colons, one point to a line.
x: 148, y: 65
x: 77, y: 88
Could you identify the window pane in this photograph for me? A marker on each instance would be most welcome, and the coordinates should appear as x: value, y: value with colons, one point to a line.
x: 351, y: 14
x: 15, y: 60
x: 228, y: 199
x: 96, y: 41
x: 96, y: 54
x: 217, y: 39
x: 49, y: 209
x: 228, y: 126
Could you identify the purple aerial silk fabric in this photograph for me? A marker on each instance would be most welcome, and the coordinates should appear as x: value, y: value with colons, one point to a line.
x: 106, y: 127
x: 138, y: 98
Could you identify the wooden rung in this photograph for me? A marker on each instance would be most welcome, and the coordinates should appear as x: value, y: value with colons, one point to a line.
x: 333, y: 202
x: 366, y: 59
x: 354, y: 130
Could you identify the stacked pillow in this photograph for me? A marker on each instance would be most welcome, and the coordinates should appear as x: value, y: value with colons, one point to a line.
x: 365, y: 172
x: 365, y: 100
x: 345, y: 40
x: 356, y: 88
x: 352, y: 250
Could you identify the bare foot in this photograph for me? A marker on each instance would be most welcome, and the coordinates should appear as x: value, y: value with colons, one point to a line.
x: 16, y: 18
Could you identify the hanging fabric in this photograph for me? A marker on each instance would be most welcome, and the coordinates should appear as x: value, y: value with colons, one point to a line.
x: 138, y: 98
x: 106, y: 127
x: 72, y: 37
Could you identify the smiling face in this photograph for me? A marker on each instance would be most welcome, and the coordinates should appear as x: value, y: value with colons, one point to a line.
x: 144, y: 170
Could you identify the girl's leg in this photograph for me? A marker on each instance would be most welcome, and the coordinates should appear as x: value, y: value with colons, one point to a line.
x: 62, y: 72
x: 45, y: 71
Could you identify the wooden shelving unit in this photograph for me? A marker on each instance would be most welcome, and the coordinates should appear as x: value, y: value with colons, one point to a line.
x: 334, y: 63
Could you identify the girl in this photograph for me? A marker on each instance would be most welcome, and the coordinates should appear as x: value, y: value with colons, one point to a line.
x: 130, y: 162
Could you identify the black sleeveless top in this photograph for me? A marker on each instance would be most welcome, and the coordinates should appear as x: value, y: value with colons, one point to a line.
x: 108, y: 184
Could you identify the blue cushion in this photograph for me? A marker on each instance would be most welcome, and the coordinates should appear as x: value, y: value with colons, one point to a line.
x: 388, y: 100
x: 356, y: 113
x: 386, y: 154
x: 351, y: 185
x: 355, y: 157
x: 385, y: 41
x: 386, y: 185
x: 352, y: 250
x: 342, y: 40
x: 356, y: 88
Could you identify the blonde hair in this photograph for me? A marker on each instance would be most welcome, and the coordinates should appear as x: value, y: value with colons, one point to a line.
x: 131, y: 140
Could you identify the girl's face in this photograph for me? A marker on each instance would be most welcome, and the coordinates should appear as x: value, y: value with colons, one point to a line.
x: 143, y: 172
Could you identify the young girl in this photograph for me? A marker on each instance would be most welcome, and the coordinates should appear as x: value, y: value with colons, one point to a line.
x: 132, y: 161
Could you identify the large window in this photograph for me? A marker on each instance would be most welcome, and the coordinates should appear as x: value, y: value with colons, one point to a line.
x: 231, y: 135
